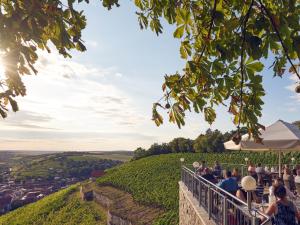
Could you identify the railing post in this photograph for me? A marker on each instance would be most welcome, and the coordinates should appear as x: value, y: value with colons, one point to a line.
x: 225, y: 222
x: 209, y: 201
x: 200, y: 192
x: 189, y: 181
x: 242, y: 171
x: 181, y: 173
x: 193, y: 185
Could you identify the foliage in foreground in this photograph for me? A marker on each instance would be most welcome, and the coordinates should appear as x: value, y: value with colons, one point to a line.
x: 222, y: 43
x: 63, y: 207
x: 154, y: 180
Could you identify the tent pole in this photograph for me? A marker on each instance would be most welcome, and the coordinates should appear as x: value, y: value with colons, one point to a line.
x: 279, y: 158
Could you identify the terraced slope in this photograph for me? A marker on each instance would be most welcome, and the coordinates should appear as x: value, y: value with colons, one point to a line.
x: 62, y: 208
x: 122, y: 205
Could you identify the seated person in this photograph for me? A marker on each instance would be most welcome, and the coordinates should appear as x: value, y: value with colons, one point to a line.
x: 283, y: 210
x: 207, y: 175
x: 251, y: 169
x: 242, y: 195
x: 266, y: 169
x: 289, y: 179
x: 259, y: 190
x: 235, y: 174
x: 297, y: 178
x: 229, y: 184
x: 256, y: 195
x: 277, y: 182
x: 201, y: 168
x: 259, y: 169
x: 217, y: 170
x: 273, y: 169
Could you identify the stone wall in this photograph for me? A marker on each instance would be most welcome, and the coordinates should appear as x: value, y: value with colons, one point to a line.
x: 189, y: 211
x: 105, y: 202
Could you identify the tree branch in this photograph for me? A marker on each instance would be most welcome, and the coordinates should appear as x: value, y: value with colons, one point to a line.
x: 211, y: 24
x: 244, y: 29
x: 269, y: 15
x: 204, y: 47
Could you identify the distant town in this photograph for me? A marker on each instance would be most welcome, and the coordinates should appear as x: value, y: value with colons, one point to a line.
x: 17, y: 190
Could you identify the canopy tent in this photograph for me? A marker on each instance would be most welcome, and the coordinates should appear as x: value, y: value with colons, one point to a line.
x: 279, y: 137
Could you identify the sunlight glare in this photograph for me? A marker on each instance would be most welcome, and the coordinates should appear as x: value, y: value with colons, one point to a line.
x: 1, y: 69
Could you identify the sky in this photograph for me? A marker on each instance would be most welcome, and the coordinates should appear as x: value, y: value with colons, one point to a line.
x: 102, y: 99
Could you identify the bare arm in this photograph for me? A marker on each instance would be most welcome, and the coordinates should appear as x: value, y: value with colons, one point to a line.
x: 271, y: 209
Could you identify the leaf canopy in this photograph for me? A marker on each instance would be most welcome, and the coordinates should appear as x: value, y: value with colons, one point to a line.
x: 222, y: 41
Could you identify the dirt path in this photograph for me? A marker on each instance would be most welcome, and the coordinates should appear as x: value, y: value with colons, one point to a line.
x: 121, y: 204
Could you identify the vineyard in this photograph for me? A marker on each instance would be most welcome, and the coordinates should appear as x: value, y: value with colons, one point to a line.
x: 154, y: 180
x: 63, y: 207
x: 151, y: 181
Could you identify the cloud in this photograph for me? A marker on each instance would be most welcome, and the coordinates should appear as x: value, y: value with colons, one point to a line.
x: 292, y: 87
x: 73, y: 98
x: 64, y: 140
x: 28, y: 120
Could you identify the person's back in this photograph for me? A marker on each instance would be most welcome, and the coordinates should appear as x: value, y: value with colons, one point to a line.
x: 259, y: 169
x: 229, y: 184
x: 284, y: 211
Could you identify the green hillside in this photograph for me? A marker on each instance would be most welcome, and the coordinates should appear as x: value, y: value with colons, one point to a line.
x: 68, y: 164
x: 62, y: 208
x: 154, y: 180
x: 151, y: 180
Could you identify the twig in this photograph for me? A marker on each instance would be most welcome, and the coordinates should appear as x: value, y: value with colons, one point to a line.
x: 244, y: 28
x: 279, y: 36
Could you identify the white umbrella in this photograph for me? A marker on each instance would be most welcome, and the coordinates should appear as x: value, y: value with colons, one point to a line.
x: 280, y: 136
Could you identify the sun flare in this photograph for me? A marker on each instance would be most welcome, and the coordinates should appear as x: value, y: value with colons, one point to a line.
x: 1, y: 69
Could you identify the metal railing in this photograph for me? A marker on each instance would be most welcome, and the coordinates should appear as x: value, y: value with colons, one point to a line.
x: 221, y: 206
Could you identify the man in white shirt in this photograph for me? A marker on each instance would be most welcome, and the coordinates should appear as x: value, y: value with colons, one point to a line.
x: 297, y: 178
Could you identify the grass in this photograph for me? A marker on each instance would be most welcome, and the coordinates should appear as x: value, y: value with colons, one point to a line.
x: 64, y: 208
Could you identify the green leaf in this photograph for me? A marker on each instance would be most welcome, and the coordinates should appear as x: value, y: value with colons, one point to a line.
x: 179, y: 32
x: 255, y: 66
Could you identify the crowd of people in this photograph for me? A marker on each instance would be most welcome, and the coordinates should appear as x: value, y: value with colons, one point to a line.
x: 278, y: 190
